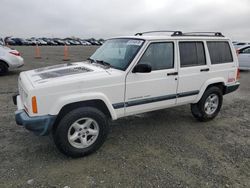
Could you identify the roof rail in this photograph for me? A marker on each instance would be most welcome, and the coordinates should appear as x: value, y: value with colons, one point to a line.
x: 206, y: 34
x: 174, y: 33
x: 180, y: 33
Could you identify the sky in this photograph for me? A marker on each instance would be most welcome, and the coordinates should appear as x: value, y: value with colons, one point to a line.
x: 109, y: 18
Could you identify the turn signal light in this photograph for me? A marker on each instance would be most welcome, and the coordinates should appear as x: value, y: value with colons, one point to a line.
x: 34, y: 105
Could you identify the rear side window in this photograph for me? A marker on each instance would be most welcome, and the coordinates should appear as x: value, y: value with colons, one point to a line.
x: 220, y: 52
x: 192, y: 54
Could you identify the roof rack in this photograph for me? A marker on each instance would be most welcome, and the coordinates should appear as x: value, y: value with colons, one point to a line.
x: 206, y: 34
x: 175, y: 33
x: 180, y: 33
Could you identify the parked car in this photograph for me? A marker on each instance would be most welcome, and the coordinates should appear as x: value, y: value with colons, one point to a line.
x: 9, y: 41
x: 126, y: 76
x: 9, y: 59
x: 59, y: 41
x: 20, y: 41
x: 32, y: 42
x: 42, y: 42
x: 240, y: 44
x: 50, y: 42
x: 244, y: 57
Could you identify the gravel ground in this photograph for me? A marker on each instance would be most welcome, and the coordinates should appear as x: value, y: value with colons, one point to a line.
x: 166, y: 148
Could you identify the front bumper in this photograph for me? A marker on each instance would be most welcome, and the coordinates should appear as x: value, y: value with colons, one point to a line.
x: 40, y: 125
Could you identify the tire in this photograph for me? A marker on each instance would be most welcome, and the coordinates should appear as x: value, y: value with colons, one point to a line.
x: 3, y: 68
x: 209, y: 105
x: 72, y: 137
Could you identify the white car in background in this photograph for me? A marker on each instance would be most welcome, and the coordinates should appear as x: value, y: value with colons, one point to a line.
x: 244, y: 57
x: 9, y: 59
x: 238, y: 45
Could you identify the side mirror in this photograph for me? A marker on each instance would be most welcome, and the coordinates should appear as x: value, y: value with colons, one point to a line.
x: 142, y: 68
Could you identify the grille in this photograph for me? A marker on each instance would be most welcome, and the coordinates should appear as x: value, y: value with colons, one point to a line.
x: 22, y: 93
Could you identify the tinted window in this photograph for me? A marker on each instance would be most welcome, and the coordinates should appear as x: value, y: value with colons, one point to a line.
x: 192, y: 54
x: 159, y: 56
x: 220, y: 52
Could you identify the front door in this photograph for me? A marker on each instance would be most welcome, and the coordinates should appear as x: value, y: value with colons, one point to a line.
x: 157, y: 89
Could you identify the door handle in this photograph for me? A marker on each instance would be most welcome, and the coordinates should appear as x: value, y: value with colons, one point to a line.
x: 204, y: 70
x: 172, y: 73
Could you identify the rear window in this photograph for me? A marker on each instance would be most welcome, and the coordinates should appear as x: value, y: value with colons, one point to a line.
x: 220, y: 52
x: 192, y: 54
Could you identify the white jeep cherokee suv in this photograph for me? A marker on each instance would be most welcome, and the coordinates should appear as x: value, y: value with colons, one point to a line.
x: 126, y: 76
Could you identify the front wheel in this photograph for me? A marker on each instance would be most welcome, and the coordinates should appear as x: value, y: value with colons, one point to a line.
x: 209, y: 105
x: 81, y: 132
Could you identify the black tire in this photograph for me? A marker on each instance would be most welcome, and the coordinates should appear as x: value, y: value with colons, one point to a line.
x: 198, y: 109
x: 3, y: 68
x: 60, y: 135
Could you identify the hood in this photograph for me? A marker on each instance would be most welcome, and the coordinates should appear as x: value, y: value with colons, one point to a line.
x: 64, y: 73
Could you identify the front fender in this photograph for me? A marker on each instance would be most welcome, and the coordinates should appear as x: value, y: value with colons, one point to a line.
x: 81, y: 97
x: 206, y: 84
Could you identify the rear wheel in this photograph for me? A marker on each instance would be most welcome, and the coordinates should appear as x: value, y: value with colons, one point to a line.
x: 209, y: 105
x: 3, y: 67
x: 81, y: 132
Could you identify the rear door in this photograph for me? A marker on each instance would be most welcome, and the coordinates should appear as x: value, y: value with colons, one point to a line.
x: 193, y: 70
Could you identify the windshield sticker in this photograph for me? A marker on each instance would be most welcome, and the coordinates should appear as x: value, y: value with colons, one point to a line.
x: 135, y: 42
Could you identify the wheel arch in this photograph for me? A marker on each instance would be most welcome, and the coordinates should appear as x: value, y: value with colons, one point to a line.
x: 96, y: 103
x: 4, y: 62
x: 218, y: 82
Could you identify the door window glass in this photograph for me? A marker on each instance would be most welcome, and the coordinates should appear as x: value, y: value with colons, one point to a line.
x: 159, y: 56
x: 192, y: 54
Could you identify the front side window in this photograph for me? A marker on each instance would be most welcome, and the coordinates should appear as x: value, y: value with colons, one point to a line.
x: 159, y: 56
x: 118, y: 52
x: 220, y: 52
x: 192, y: 54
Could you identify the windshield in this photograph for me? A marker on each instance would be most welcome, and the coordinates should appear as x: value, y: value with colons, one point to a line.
x: 118, y: 52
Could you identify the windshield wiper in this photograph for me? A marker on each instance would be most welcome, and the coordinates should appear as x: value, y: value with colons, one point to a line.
x: 99, y: 62
x: 91, y: 60
x: 103, y: 63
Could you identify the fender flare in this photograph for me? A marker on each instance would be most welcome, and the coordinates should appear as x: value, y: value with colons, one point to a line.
x: 207, y: 84
x: 81, y: 97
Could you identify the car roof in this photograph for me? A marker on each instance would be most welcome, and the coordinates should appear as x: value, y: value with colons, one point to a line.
x: 167, y: 37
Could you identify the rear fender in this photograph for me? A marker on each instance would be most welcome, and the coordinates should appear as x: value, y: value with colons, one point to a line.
x: 207, y: 84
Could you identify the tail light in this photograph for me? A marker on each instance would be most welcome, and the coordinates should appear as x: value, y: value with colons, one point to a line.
x: 16, y: 53
x: 238, y: 74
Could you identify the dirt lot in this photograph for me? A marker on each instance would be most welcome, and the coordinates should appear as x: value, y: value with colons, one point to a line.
x: 166, y: 148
